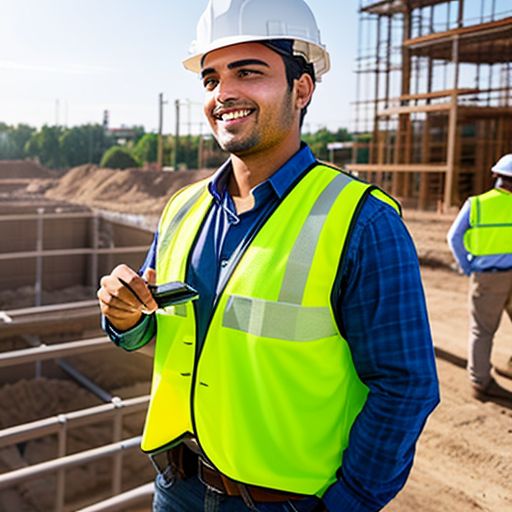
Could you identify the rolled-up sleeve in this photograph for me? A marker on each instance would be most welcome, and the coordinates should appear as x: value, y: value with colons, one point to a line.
x: 142, y: 333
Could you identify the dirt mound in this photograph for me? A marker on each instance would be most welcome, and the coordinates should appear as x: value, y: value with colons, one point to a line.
x: 132, y: 190
x: 30, y: 400
x: 147, y: 191
x: 23, y: 169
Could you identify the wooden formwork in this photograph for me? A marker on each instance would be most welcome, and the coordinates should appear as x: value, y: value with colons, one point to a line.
x: 438, y: 111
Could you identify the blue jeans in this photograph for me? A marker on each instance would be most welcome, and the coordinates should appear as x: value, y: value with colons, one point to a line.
x: 191, y: 495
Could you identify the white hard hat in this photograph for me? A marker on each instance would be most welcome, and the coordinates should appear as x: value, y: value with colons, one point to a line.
x: 503, y: 166
x: 228, y: 22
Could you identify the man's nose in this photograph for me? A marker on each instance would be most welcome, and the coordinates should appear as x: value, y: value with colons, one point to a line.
x: 226, y: 91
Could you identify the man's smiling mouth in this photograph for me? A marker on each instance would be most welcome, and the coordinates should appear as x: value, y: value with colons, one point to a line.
x: 233, y: 114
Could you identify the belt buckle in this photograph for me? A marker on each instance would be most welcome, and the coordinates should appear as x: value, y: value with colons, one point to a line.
x: 200, y: 464
x: 164, y: 468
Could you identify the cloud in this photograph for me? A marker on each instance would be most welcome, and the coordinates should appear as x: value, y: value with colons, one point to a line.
x: 72, y: 69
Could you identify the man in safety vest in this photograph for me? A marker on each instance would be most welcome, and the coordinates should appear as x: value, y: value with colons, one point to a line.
x: 481, y: 241
x: 302, y: 376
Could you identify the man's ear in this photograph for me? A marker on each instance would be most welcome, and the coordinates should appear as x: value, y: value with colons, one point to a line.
x: 304, y: 88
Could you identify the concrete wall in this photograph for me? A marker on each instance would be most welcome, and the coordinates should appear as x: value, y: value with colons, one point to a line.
x: 59, y: 272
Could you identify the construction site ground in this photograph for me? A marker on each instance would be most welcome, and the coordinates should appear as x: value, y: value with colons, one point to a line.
x: 464, y: 457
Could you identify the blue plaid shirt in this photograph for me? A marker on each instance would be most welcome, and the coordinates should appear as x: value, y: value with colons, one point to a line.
x: 380, y: 308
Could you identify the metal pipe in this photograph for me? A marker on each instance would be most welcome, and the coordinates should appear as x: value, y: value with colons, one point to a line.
x: 12, y: 313
x: 26, y: 321
x: 35, y: 216
x: 120, y: 502
x: 30, y: 355
x: 61, y: 474
x: 72, y: 252
x: 95, y: 222
x: 84, y: 381
x: 77, y: 459
x: 38, y: 286
x: 35, y: 341
x: 117, y: 462
x: 83, y: 417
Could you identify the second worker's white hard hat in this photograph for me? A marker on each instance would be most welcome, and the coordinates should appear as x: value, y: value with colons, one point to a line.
x: 503, y: 166
x: 228, y: 22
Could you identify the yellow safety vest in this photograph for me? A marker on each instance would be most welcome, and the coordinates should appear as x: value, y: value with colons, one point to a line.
x: 490, y: 219
x: 273, y: 393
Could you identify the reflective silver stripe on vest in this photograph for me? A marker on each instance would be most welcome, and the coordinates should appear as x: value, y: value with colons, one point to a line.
x: 175, y: 310
x: 279, y: 320
x: 180, y: 310
x: 301, y: 256
x: 165, y: 239
x: 287, y: 319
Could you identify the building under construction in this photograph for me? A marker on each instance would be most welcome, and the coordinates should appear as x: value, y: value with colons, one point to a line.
x: 434, y: 97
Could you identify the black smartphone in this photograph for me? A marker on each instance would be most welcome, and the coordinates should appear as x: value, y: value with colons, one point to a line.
x: 171, y: 293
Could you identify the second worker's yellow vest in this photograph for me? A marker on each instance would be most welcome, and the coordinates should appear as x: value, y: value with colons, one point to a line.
x: 272, y: 394
x: 491, y: 224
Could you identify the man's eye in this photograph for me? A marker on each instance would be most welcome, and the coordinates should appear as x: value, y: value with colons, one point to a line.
x: 247, y: 72
x: 210, y: 83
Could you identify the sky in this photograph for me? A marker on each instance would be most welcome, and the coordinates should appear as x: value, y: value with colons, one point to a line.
x: 66, y: 61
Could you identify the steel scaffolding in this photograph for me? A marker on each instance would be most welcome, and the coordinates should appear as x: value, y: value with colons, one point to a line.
x: 434, y: 105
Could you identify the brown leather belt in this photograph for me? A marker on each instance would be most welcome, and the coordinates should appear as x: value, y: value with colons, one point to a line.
x: 225, y: 485
x: 181, y: 462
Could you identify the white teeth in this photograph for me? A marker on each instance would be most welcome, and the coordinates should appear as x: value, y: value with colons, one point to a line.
x: 237, y: 114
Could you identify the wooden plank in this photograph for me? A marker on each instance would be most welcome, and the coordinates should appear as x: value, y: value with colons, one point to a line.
x: 450, y: 186
x: 389, y: 7
x: 438, y: 94
x: 437, y: 107
x: 485, y: 111
x: 397, y: 167
x: 439, y: 37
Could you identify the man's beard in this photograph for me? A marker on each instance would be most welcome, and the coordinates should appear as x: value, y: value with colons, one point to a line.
x: 243, y: 145
x: 239, y: 146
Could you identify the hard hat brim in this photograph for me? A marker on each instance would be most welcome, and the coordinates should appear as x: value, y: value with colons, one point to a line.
x: 501, y: 172
x: 319, y: 56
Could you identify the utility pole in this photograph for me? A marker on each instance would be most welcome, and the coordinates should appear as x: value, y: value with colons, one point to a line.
x: 160, y: 151
x: 176, y: 135
x: 200, y: 148
x: 57, y: 108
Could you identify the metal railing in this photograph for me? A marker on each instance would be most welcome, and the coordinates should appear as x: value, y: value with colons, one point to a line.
x: 48, y: 319
x: 120, y: 502
x: 43, y: 352
x: 60, y: 425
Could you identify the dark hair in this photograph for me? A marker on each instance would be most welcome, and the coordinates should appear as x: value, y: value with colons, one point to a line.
x: 295, y: 65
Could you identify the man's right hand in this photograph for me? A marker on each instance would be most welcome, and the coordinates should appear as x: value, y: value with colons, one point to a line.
x: 124, y: 297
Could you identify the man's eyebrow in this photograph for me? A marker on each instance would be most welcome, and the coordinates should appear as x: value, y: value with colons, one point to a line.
x: 236, y: 64
x: 247, y: 62
x: 207, y: 71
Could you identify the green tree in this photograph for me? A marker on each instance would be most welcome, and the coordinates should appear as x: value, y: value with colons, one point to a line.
x: 45, y: 145
x: 75, y: 148
x: 118, y: 157
x: 139, y: 133
x: 318, y: 141
x: 145, y: 150
x: 84, y: 144
x: 13, y: 140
